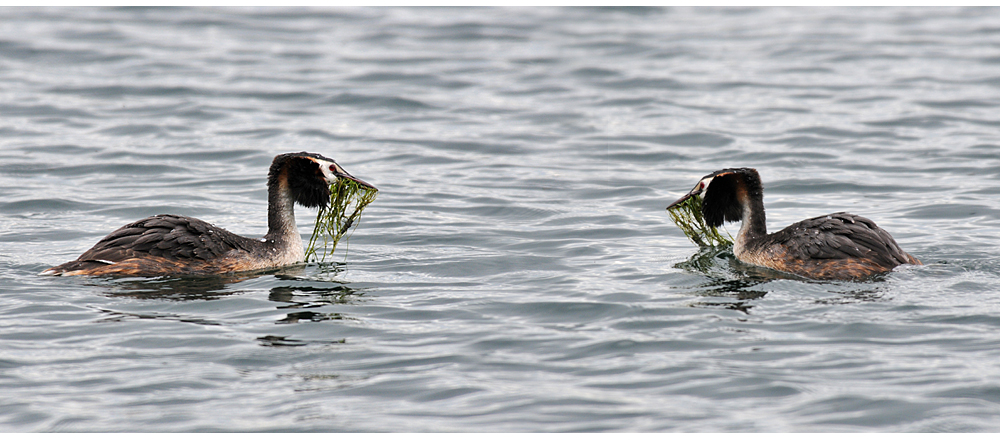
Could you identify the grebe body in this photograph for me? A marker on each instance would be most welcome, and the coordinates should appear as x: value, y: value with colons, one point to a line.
x: 838, y: 246
x: 178, y: 245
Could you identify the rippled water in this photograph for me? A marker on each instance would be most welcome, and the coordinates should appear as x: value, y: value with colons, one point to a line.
x: 518, y: 271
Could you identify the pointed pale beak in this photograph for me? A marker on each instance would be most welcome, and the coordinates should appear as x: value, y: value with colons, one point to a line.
x: 340, y: 172
x: 694, y: 192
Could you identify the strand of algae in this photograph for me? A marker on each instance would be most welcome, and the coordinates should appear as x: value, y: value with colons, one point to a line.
x: 347, y: 200
x: 688, y: 217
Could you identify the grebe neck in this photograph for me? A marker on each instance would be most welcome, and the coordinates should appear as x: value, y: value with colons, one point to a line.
x: 753, y: 229
x: 281, y: 227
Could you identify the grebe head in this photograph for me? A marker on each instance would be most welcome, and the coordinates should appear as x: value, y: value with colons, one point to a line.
x: 725, y: 194
x: 309, y: 176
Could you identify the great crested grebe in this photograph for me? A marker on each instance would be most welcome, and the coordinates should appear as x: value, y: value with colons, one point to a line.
x: 837, y: 246
x: 172, y: 244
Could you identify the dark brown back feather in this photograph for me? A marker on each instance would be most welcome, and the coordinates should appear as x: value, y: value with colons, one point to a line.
x: 172, y: 237
x: 840, y: 236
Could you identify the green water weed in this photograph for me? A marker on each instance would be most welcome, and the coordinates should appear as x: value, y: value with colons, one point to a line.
x: 347, y: 200
x: 688, y: 216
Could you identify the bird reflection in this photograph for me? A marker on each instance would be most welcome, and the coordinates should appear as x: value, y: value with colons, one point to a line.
x: 719, y: 266
x: 282, y: 341
x: 188, y: 288
x: 874, y: 294
x: 306, y: 297
x: 317, y: 296
x: 303, y: 297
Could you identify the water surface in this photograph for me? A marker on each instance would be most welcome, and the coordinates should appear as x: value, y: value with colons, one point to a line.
x: 517, y: 271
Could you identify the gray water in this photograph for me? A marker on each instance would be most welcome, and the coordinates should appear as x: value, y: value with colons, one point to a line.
x: 518, y: 271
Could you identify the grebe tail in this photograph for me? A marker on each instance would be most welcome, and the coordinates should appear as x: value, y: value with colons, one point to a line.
x: 838, y: 246
x: 172, y: 244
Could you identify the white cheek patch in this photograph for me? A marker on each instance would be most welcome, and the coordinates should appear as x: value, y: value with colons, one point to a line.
x: 325, y: 167
x: 704, y: 184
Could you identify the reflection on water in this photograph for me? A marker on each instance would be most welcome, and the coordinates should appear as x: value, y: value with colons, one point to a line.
x: 120, y: 316
x: 875, y: 293
x: 185, y: 288
x: 283, y: 341
x: 213, y: 287
x: 170, y: 288
x: 305, y: 296
x: 726, y: 277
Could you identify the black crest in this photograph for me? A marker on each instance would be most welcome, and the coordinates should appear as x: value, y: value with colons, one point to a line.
x: 305, y: 178
x: 722, y: 197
